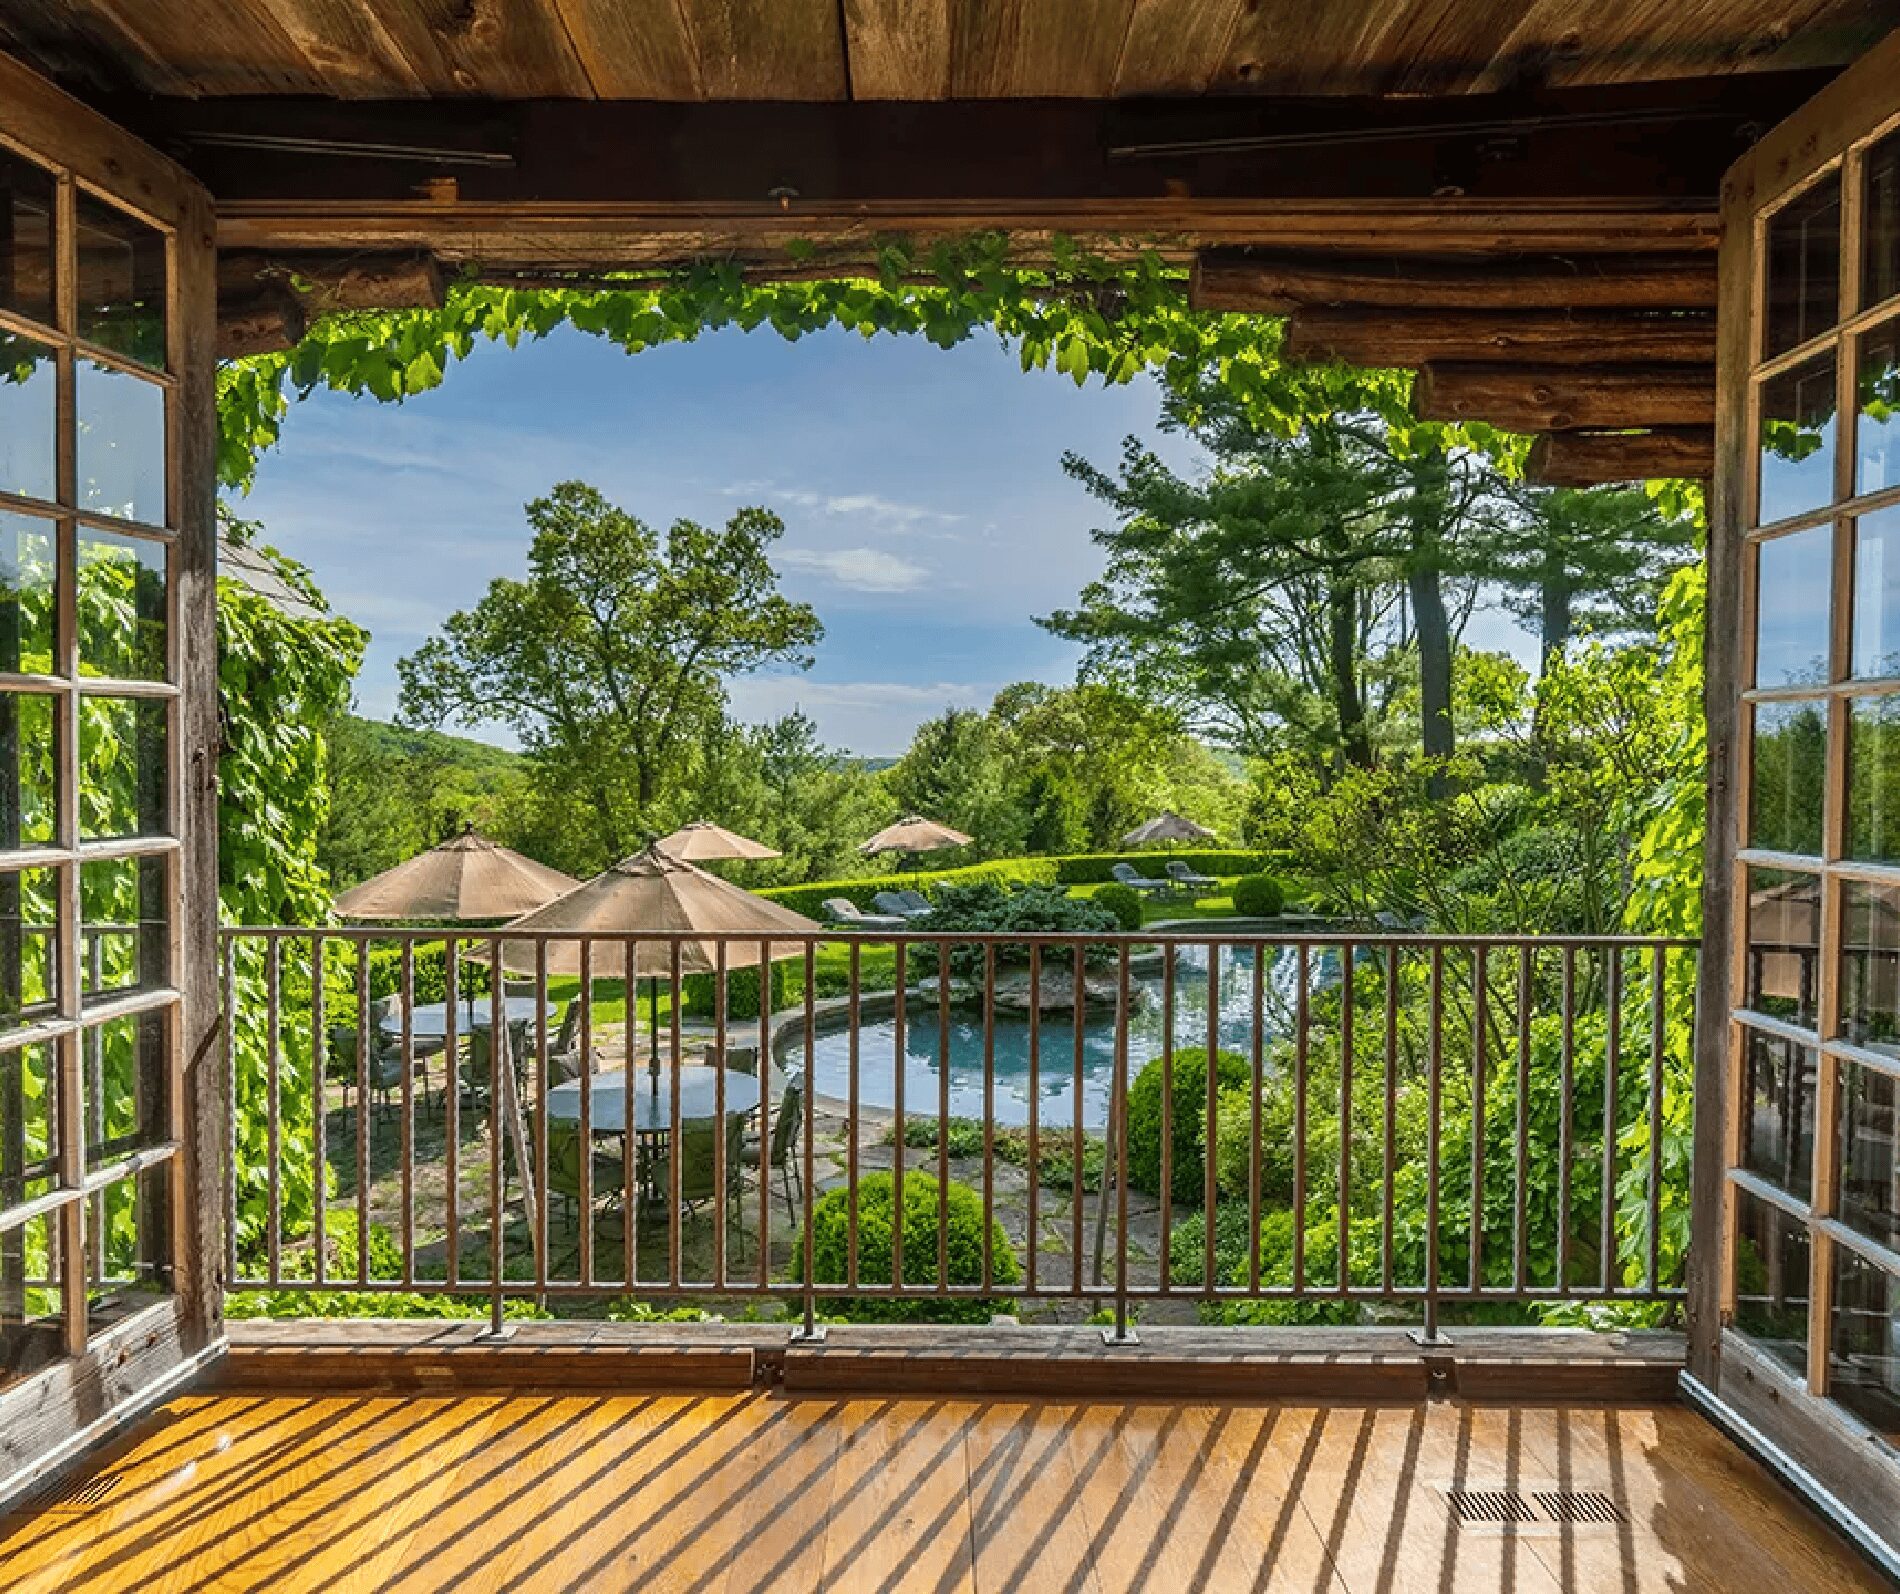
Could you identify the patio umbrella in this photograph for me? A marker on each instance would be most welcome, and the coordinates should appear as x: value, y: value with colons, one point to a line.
x: 655, y: 894
x: 1166, y: 826
x: 704, y: 842
x: 467, y: 877
x: 913, y: 833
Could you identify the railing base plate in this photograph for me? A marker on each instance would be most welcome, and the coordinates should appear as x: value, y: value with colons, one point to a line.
x: 497, y: 1336
x: 1115, y: 1338
x: 814, y: 1335
x: 1430, y: 1340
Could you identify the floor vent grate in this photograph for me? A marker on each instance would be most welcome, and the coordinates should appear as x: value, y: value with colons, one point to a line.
x: 1585, y: 1505
x: 1490, y: 1505
x: 81, y: 1494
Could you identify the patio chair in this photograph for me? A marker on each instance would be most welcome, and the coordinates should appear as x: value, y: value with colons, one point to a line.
x: 564, y: 1167
x: 916, y: 901
x: 1126, y: 875
x: 384, y: 1073
x: 786, y: 1125
x: 697, y: 1182
x: 893, y: 905
x: 844, y: 912
x: 1184, y: 874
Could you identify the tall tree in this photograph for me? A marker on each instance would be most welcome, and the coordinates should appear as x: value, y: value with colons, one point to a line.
x: 611, y: 657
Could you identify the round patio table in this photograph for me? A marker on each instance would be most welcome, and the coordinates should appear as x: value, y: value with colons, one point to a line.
x: 652, y: 1108
x: 430, y: 1020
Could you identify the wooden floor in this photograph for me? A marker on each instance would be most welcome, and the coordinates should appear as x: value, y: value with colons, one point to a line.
x: 742, y: 1492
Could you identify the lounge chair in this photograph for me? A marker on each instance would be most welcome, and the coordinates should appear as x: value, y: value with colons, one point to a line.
x: 916, y: 901
x: 1125, y: 874
x: 1183, y: 874
x: 844, y: 912
x: 895, y: 904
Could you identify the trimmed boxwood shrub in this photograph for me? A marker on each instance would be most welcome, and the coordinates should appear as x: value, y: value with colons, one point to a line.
x: 830, y: 1228
x: 1189, y: 1120
x: 742, y: 992
x: 1122, y: 901
x: 810, y: 899
x: 1258, y: 896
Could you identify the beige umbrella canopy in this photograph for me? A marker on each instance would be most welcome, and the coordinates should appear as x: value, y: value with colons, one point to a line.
x: 1166, y: 826
x: 913, y: 833
x: 467, y: 877
x: 703, y: 842
x: 654, y: 894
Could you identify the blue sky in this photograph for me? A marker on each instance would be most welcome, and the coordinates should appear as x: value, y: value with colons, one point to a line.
x: 927, y: 517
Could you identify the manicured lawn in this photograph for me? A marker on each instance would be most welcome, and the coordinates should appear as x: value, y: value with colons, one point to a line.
x: 1220, y: 905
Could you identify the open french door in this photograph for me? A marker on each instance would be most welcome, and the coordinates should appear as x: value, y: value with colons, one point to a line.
x: 109, y: 1105
x: 1795, y: 1299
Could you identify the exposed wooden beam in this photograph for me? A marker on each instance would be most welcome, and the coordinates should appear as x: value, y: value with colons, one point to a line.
x: 1268, y: 282
x: 1367, y: 336
x: 1589, y: 459
x: 1533, y: 398
x: 265, y: 321
x: 334, y: 280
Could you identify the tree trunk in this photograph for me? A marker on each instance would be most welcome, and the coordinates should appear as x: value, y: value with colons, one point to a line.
x: 1434, y: 666
x: 1342, y: 606
x: 1555, y: 596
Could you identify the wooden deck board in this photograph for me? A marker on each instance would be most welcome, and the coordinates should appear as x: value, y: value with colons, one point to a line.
x: 726, y: 1494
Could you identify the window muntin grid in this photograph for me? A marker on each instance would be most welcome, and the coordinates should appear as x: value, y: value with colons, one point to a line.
x: 89, y: 863
x: 1819, y: 823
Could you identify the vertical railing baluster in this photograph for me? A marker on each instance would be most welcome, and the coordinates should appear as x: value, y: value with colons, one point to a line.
x: 364, y: 1123
x: 853, y: 1003
x: 451, y: 1083
x: 499, y: 1059
x: 1302, y: 1037
x: 273, y: 1108
x: 989, y: 1106
x: 1210, y: 1169
x: 1434, y: 1103
x: 1167, y: 1114
x: 1657, y: 1009
x: 1612, y: 1057
x: 722, y: 959
x: 1346, y: 1016
x: 943, y: 1116
x: 1480, y: 1043
x: 539, y: 1215
x: 629, y: 1194
x: 676, y: 1122
x: 1256, y: 1111
x: 1118, y: 1115
x: 1566, y: 1115
x: 1390, y: 1128
x: 584, y: 962
x: 900, y: 1041
x: 766, y: 1115
x: 231, y: 1169
x: 809, y: 1329
x: 452, y: 1072
x: 1035, y: 1110
x: 320, y: 1112
x: 1078, y: 1141
x: 1521, y: 1165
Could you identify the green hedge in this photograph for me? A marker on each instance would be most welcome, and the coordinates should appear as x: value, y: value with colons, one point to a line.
x: 1092, y: 868
x: 1258, y: 896
x: 809, y: 899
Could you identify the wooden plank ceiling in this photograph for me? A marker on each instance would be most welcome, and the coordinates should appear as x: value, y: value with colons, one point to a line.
x: 1516, y: 197
x: 915, y: 49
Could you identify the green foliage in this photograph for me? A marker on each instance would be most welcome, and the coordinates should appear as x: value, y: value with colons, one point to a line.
x: 341, y: 1254
x: 1187, y: 1119
x: 1091, y: 868
x: 1122, y: 901
x: 876, y: 1206
x: 1055, y: 1149
x: 810, y: 899
x: 1258, y: 896
x: 742, y: 994
x: 986, y: 907
x: 610, y: 659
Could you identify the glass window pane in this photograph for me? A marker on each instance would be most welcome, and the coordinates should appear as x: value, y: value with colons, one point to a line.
x: 1778, y: 1112
x: 1790, y: 765
x: 1797, y: 440
x: 1870, y: 964
x: 26, y: 238
x: 1873, y: 779
x: 121, y: 444
x: 1876, y: 646
x: 129, y: 1269
x: 1870, y: 1169
x: 29, y: 1157
x: 121, y: 606
x: 28, y: 816
x: 122, y: 767
x: 1804, y: 266
x: 1880, y: 222
x: 121, y: 281
x: 1784, y: 944
x: 29, y: 389
x: 29, y: 1299
x: 1877, y: 426
x: 1771, y: 1280
x: 124, y: 1060
x: 26, y: 595
x: 29, y: 945
x: 1791, y: 630
x: 1863, y: 1351
x: 125, y: 940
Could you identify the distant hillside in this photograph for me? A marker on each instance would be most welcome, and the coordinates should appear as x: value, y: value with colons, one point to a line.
x: 401, y: 741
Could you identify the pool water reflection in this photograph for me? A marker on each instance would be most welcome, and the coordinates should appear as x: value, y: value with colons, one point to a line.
x: 1055, y: 1087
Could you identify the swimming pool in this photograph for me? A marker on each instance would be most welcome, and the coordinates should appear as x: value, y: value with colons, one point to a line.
x: 1055, y: 1088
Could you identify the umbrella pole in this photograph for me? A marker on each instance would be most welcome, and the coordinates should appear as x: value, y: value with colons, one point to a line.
x: 653, y: 1024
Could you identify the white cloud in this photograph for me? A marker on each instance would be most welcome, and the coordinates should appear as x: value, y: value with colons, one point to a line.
x: 889, y: 514
x: 872, y: 718
x: 864, y: 569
